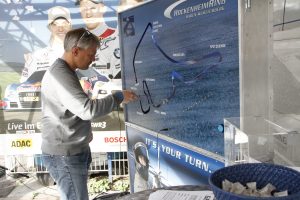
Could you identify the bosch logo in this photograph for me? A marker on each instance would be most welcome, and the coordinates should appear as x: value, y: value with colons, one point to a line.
x: 114, y: 139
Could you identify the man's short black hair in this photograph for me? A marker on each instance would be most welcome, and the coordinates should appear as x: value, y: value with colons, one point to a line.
x: 94, y: 1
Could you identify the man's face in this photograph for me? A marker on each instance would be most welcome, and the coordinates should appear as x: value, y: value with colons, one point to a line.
x: 85, y: 57
x: 59, y: 28
x: 91, y: 13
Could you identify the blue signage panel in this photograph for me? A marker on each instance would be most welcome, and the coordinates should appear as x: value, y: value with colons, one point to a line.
x: 182, y: 58
x: 156, y: 162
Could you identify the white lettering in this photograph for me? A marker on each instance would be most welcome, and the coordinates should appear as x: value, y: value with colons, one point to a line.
x: 13, y: 126
x: 171, y: 152
x: 196, y: 162
x: 190, y: 11
x: 151, y: 143
x: 28, y: 126
x: 39, y: 125
x: 98, y: 124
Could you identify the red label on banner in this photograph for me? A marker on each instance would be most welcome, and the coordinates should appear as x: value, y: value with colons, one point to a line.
x: 114, y: 139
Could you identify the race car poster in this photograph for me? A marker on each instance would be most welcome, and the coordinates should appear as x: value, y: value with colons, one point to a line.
x: 183, y: 62
x: 155, y: 162
x: 31, y: 39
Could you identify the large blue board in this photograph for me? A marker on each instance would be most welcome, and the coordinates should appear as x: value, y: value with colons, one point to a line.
x: 182, y: 59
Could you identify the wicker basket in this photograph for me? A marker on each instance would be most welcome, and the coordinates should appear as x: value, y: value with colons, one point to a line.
x: 281, y: 177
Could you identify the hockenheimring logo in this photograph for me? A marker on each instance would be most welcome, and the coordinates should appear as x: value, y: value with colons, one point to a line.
x: 191, y: 9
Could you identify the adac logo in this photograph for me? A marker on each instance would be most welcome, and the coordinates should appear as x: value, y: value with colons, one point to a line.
x: 168, y: 11
x: 21, y: 143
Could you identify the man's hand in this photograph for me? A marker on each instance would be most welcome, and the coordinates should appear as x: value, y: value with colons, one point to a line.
x: 129, y: 96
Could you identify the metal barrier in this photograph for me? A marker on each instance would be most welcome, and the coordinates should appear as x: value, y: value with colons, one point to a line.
x: 114, y: 163
x: 118, y: 165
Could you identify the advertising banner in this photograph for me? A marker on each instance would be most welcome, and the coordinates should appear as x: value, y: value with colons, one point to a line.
x: 31, y: 39
x: 156, y: 162
x: 20, y: 144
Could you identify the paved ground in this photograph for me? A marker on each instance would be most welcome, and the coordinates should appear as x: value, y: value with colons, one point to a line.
x: 32, y: 189
x: 29, y: 189
x: 25, y: 188
x: 22, y: 188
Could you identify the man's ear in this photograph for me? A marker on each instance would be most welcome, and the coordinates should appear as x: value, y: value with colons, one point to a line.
x: 75, y: 51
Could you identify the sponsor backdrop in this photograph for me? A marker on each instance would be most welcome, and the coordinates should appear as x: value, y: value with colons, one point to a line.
x: 31, y: 39
x: 182, y: 60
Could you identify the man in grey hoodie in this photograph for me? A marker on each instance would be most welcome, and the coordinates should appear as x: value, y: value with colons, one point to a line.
x: 67, y: 115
